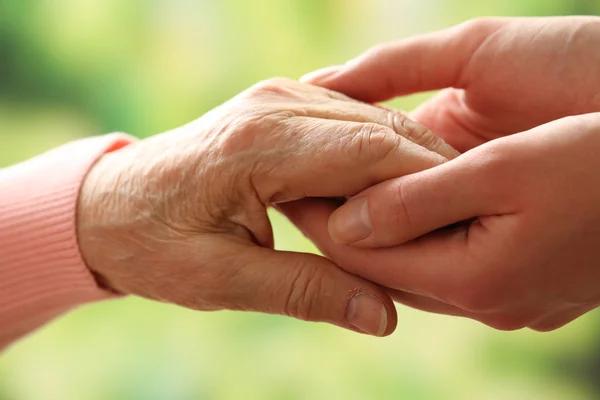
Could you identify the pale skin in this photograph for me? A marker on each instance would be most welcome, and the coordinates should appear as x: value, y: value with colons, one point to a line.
x: 182, y: 217
x: 526, y: 250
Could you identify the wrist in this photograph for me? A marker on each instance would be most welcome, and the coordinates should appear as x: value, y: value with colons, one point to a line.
x: 97, y: 209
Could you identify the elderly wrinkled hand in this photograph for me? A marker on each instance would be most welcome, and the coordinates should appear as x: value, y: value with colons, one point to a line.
x: 182, y: 216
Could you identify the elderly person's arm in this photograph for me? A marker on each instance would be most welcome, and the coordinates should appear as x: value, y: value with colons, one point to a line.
x: 181, y: 217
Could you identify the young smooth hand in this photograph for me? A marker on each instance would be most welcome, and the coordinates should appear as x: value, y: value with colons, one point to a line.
x: 500, y: 75
x: 515, y: 228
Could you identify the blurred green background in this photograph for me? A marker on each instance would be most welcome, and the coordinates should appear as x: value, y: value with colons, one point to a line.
x: 73, y: 68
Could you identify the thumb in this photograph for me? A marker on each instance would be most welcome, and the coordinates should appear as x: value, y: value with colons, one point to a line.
x: 310, y: 288
x: 402, y: 209
x: 421, y: 63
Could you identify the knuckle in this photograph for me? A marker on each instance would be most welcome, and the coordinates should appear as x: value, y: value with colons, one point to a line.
x: 374, y: 143
x: 272, y: 87
x: 426, y: 138
x: 412, y: 130
x: 303, y: 293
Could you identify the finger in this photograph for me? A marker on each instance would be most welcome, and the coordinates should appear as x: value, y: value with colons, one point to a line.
x: 397, y: 121
x: 503, y: 322
x: 437, y: 273
x: 427, y: 304
x: 500, y: 321
x: 322, y: 103
x: 437, y: 266
x: 304, y: 286
x: 405, y: 208
x: 329, y: 158
x: 426, y: 62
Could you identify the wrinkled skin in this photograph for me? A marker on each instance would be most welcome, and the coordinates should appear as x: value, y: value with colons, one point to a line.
x: 525, y: 252
x: 181, y: 217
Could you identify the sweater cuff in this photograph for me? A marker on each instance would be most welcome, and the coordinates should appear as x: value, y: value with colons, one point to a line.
x: 42, y: 272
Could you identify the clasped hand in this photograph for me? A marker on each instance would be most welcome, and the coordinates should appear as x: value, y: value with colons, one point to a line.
x: 506, y: 233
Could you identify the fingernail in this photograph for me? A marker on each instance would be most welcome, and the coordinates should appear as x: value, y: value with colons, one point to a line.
x: 320, y: 74
x: 367, y: 313
x: 351, y: 222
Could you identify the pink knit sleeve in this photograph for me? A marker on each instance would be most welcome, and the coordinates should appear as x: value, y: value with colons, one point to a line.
x: 42, y: 273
